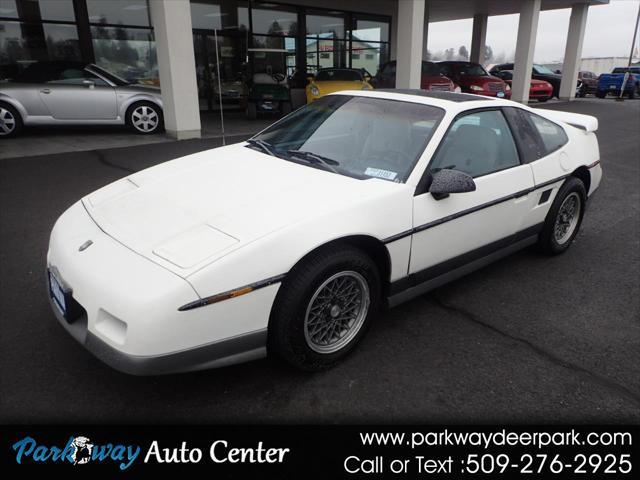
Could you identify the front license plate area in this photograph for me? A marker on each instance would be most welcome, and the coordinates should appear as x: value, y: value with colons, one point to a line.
x: 61, y: 296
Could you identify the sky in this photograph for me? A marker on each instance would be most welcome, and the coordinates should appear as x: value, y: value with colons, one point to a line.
x: 608, y: 33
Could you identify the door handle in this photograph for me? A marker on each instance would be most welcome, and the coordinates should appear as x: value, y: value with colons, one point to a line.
x: 45, y: 90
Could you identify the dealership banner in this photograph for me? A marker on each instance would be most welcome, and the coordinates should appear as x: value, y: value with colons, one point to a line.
x: 324, y: 451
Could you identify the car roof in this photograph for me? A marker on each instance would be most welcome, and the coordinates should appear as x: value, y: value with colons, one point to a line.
x: 449, y: 96
x: 454, y: 102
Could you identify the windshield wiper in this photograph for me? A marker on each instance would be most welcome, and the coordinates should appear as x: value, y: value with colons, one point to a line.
x: 265, y: 146
x: 315, y: 158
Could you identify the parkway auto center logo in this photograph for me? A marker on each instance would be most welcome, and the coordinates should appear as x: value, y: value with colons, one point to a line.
x: 78, y: 450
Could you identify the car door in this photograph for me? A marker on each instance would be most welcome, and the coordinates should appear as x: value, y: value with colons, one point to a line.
x: 461, y: 228
x: 76, y: 94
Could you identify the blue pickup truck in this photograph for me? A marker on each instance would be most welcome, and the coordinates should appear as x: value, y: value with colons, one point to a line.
x: 612, y: 82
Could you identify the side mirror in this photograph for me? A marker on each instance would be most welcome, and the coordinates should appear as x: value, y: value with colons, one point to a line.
x: 88, y: 83
x: 367, y: 78
x: 448, y: 181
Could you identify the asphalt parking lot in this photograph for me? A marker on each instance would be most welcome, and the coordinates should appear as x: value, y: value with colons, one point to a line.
x: 528, y: 339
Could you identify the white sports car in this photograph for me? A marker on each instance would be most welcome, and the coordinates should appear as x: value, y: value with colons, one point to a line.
x: 290, y: 242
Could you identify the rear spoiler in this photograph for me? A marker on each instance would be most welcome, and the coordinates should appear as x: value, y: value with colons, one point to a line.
x: 583, y: 122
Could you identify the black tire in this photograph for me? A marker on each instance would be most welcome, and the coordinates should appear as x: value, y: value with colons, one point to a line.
x: 547, y: 240
x: 601, y: 93
x: 285, y: 107
x: 252, y: 111
x: 11, y: 121
x: 632, y: 93
x: 138, y: 112
x: 286, y: 337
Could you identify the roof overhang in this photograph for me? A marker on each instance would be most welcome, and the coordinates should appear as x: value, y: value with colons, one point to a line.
x: 443, y: 10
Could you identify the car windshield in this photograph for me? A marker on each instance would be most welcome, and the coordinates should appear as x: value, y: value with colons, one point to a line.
x: 361, y: 137
x: 108, y: 75
x: 472, y: 69
x: 542, y: 70
x: 339, y: 75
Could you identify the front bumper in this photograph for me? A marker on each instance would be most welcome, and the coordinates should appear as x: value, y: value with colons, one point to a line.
x: 129, y: 307
x: 242, y: 348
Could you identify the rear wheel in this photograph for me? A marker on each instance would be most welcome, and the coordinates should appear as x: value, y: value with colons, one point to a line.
x: 324, y: 308
x: 145, y: 118
x: 601, y: 93
x: 564, y: 217
x: 10, y: 121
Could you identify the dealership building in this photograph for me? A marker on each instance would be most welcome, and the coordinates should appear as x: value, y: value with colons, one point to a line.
x: 183, y: 44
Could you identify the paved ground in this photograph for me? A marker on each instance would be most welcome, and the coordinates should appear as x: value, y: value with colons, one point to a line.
x: 528, y: 339
x: 60, y: 139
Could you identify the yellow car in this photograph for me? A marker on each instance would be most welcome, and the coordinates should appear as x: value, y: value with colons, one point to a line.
x: 329, y: 80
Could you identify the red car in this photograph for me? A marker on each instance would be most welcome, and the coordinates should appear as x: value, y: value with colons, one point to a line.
x: 540, y: 90
x: 473, y: 78
x: 431, y: 79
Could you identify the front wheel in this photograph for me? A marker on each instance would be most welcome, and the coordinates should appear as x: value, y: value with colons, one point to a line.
x: 145, y: 118
x: 324, y: 308
x: 564, y: 217
x: 601, y: 94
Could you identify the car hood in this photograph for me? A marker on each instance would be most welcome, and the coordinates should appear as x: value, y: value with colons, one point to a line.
x: 188, y: 212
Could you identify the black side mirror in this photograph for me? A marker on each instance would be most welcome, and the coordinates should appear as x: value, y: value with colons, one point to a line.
x: 448, y: 181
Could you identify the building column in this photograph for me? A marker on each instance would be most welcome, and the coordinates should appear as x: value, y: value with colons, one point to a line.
x: 478, y: 38
x: 526, y: 43
x: 425, y: 34
x: 573, y: 51
x: 176, y: 63
x: 409, y: 43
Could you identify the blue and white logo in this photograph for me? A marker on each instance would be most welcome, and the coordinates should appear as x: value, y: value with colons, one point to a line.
x: 79, y: 450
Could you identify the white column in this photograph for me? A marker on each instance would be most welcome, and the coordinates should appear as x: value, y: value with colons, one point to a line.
x: 478, y: 38
x: 573, y: 51
x: 176, y: 62
x: 527, y: 30
x: 425, y: 33
x: 409, y: 43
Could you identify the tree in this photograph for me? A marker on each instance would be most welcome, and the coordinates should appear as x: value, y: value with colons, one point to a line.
x: 463, y: 53
x: 448, y: 54
x: 488, y: 53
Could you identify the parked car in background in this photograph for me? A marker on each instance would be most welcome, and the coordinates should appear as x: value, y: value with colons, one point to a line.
x: 330, y: 80
x: 540, y: 90
x: 588, y: 83
x: 473, y: 78
x: 538, y: 72
x: 611, y: 83
x: 431, y: 79
x: 73, y: 93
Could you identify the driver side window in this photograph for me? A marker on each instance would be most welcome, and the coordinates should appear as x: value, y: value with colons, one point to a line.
x: 478, y: 144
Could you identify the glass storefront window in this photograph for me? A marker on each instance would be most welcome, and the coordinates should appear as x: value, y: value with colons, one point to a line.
x: 56, y: 10
x: 325, y: 53
x: 271, y: 19
x: 371, y: 31
x: 8, y: 9
x: 62, y: 41
x: 21, y: 44
x: 368, y: 56
x: 330, y: 26
x: 128, y: 52
x: 274, y: 62
x: 119, y: 12
x: 214, y: 15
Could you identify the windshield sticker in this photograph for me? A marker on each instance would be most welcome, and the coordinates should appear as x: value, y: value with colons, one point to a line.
x: 380, y: 173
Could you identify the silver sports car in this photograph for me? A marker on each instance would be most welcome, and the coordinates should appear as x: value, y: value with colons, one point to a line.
x: 67, y: 93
